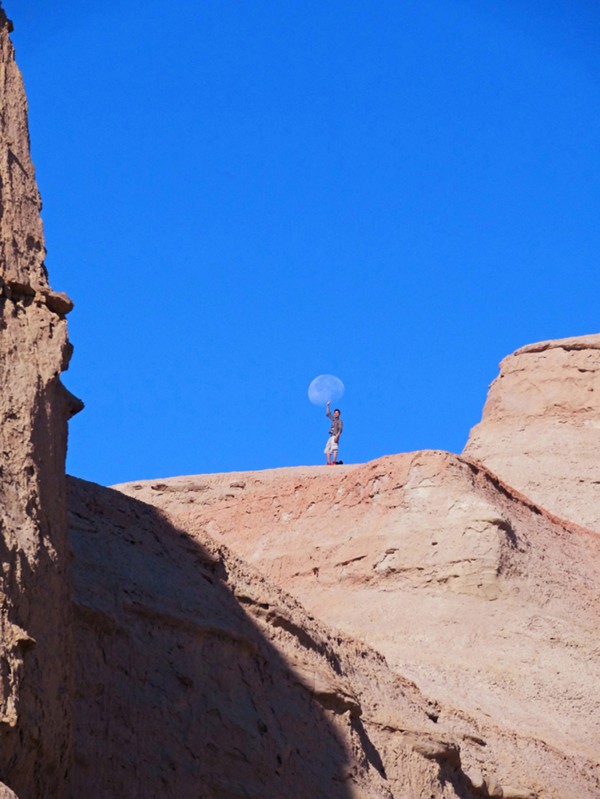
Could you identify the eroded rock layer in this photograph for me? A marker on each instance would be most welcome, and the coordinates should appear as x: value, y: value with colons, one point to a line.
x: 481, y: 597
x: 540, y: 429
x: 35, y: 673
x: 196, y: 677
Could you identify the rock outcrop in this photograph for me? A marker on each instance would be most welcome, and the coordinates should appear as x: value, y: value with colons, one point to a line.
x: 196, y: 677
x: 35, y: 670
x: 540, y: 429
x: 410, y: 628
x: 484, y: 599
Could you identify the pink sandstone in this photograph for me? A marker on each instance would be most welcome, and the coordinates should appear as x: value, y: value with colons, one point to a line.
x: 485, y: 600
x: 540, y: 429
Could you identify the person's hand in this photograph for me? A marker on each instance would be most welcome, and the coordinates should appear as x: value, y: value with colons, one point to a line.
x: 328, y: 402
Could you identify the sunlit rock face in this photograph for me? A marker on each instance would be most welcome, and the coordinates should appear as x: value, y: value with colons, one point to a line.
x: 540, y: 429
x: 482, y: 598
x: 198, y: 677
x: 35, y: 666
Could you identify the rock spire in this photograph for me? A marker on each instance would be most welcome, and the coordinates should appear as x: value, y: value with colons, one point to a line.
x: 35, y: 667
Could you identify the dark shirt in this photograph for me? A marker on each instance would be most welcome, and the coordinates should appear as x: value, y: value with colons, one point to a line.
x: 336, y: 425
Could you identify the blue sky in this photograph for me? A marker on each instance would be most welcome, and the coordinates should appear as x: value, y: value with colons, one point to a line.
x: 240, y: 196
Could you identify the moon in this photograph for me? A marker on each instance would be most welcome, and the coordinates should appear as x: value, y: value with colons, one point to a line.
x: 324, y: 388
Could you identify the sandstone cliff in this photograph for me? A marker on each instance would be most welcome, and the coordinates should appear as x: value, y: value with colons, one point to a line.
x: 196, y: 677
x: 424, y: 626
x: 485, y: 600
x: 540, y: 429
x: 34, y: 590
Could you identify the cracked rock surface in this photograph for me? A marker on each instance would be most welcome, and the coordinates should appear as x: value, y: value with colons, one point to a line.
x: 198, y: 677
x: 35, y: 630
x: 540, y: 429
x: 484, y: 599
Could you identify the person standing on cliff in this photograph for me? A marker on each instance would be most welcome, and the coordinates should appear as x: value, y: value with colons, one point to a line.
x: 335, y: 431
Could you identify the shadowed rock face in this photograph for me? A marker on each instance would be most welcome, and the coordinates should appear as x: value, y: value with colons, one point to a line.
x: 34, y: 591
x: 540, y: 429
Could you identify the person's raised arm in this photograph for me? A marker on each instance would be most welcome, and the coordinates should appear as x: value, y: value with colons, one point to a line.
x: 328, y: 410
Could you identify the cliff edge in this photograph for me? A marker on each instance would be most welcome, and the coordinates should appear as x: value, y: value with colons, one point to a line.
x: 35, y: 609
x: 540, y: 428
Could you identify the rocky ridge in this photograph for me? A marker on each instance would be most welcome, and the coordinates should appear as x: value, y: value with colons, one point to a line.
x: 179, y: 641
x: 484, y: 599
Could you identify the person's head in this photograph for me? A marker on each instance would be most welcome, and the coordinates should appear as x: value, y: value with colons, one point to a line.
x: 336, y: 413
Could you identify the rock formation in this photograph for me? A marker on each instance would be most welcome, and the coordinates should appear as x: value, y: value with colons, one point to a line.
x: 424, y: 626
x: 196, y: 677
x: 540, y: 429
x: 485, y: 600
x: 34, y: 589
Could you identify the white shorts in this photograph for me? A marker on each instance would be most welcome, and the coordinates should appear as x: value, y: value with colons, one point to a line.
x: 331, y: 446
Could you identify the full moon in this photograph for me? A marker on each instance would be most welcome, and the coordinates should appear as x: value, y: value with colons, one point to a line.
x: 324, y: 388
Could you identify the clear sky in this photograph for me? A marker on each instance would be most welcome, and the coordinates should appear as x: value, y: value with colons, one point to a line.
x: 240, y: 195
